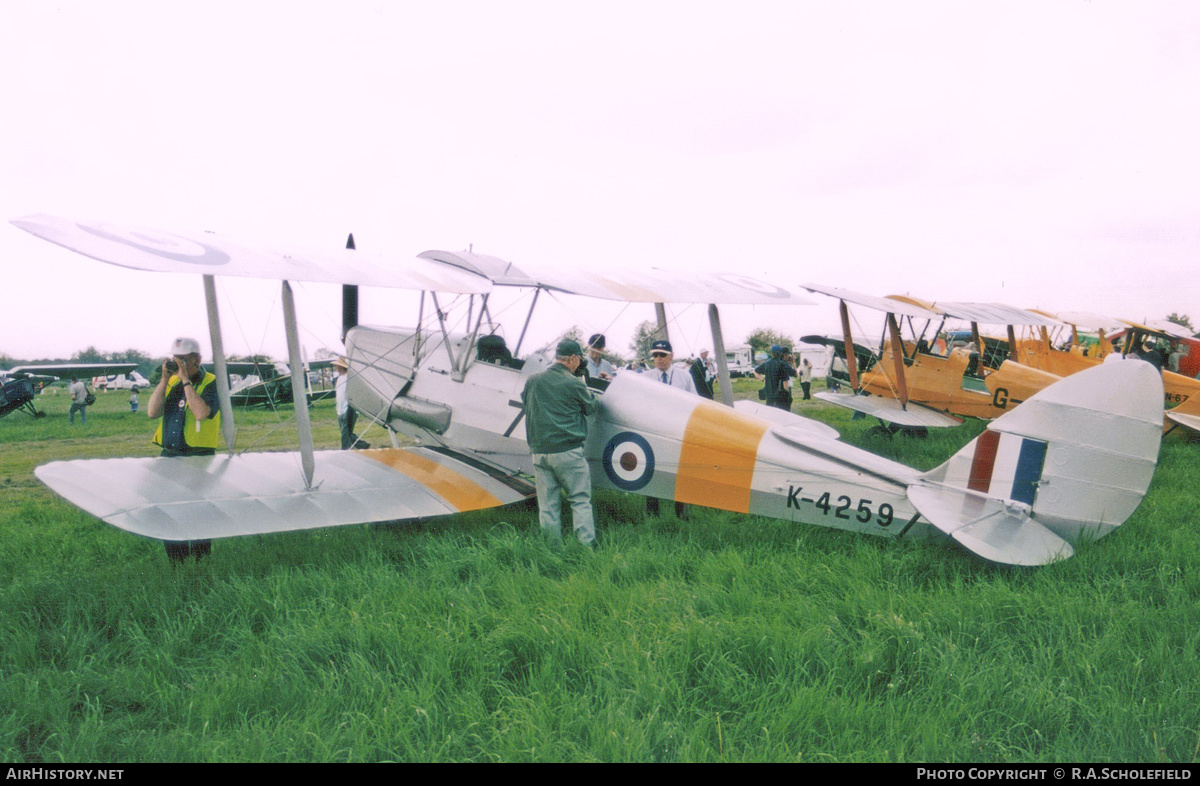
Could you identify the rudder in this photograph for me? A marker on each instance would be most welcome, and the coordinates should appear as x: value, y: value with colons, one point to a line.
x: 1074, y: 459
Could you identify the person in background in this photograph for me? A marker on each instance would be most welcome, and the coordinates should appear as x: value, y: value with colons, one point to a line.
x: 185, y: 402
x: 1151, y: 354
x: 664, y: 371
x: 346, y: 415
x: 78, y: 393
x: 133, y: 401
x: 1176, y: 356
x: 700, y: 369
x: 789, y: 360
x: 777, y: 380
x: 806, y: 373
x: 597, y: 366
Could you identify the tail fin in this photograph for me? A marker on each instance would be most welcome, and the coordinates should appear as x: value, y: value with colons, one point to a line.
x: 1074, y: 459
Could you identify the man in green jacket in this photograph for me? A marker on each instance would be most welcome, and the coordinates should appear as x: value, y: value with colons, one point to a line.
x: 557, y: 406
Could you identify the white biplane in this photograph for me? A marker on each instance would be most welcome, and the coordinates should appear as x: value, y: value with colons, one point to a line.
x: 1072, y: 462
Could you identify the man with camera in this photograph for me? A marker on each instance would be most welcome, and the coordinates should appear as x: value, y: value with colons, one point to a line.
x: 185, y: 400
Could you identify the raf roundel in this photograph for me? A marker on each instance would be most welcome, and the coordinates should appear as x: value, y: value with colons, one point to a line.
x: 754, y: 285
x: 159, y: 244
x: 628, y: 461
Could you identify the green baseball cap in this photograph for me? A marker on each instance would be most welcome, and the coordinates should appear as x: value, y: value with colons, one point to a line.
x: 567, y: 347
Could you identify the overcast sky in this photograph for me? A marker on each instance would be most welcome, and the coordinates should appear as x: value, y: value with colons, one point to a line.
x: 1042, y: 154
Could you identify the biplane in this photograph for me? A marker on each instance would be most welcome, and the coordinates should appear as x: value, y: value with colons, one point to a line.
x: 269, y: 383
x: 1072, y: 462
x: 19, y: 385
x: 1068, y: 355
x: 915, y: 383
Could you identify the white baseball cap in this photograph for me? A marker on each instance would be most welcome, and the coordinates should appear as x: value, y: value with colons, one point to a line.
x: 185, y: 346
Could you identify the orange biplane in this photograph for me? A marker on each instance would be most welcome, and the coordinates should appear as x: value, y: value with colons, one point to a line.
x: 1181, y: 394
x: 911, y: 383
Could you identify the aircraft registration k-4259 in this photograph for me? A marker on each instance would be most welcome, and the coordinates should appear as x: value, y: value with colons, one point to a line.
x: 1072, y: 462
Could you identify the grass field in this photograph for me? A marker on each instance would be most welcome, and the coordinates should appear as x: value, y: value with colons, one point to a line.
x: 724, y: 638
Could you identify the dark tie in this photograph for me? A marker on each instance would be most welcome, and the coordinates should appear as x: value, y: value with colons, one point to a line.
x: 664, y: 377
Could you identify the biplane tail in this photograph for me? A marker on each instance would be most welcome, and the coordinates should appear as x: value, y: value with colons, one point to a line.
x: 1072, y: 462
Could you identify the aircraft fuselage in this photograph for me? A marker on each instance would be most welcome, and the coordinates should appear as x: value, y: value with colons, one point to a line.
x: 648, y: 438
x: 943, y: 383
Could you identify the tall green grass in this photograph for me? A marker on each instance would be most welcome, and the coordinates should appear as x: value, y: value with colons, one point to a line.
x: 719, y: 638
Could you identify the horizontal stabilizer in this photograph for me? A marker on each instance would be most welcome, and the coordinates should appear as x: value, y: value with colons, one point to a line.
x: 1184, y: 419
x: 1186, y: 414
x: 223, y: 496
x: 1076, y: 458
x: 997, y: 531
x: 890, y: 410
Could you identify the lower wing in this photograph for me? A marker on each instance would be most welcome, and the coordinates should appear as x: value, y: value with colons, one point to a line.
x: 203, y: 497
x: 890, y: 410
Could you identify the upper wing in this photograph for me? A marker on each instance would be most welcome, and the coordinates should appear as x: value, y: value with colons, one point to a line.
x: 1160, y: 327
x: 994, y: 314
x: 906, y: 308
x: 643, y: 285
x: 1086, y: 320
x: 222, y: 496
x: 210, y: 254
x: 72, y: 369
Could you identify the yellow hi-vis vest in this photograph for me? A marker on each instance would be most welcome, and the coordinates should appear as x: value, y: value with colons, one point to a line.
x: 197, y: 434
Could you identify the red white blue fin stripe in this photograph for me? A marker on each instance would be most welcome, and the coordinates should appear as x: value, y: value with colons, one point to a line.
x: 1008, y: 466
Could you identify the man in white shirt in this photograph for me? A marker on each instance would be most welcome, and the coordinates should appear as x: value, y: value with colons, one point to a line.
x: 664, y: 370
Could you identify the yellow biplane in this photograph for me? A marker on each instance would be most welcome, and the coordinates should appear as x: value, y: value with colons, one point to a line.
x: 1181, y: 394
x: 910, y: 383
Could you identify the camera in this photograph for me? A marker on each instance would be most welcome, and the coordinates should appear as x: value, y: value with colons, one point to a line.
x: 172, y: 366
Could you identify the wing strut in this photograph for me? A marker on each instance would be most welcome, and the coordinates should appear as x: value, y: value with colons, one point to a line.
x: 299, y: 386
x: 228, y: 429
x: 660, y: 313
x: 349, y: 299
x: 898, y: 357
x: 529, y: 316
x: 851, y: 359
x: 441, y: 317
x: 714, y: 320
